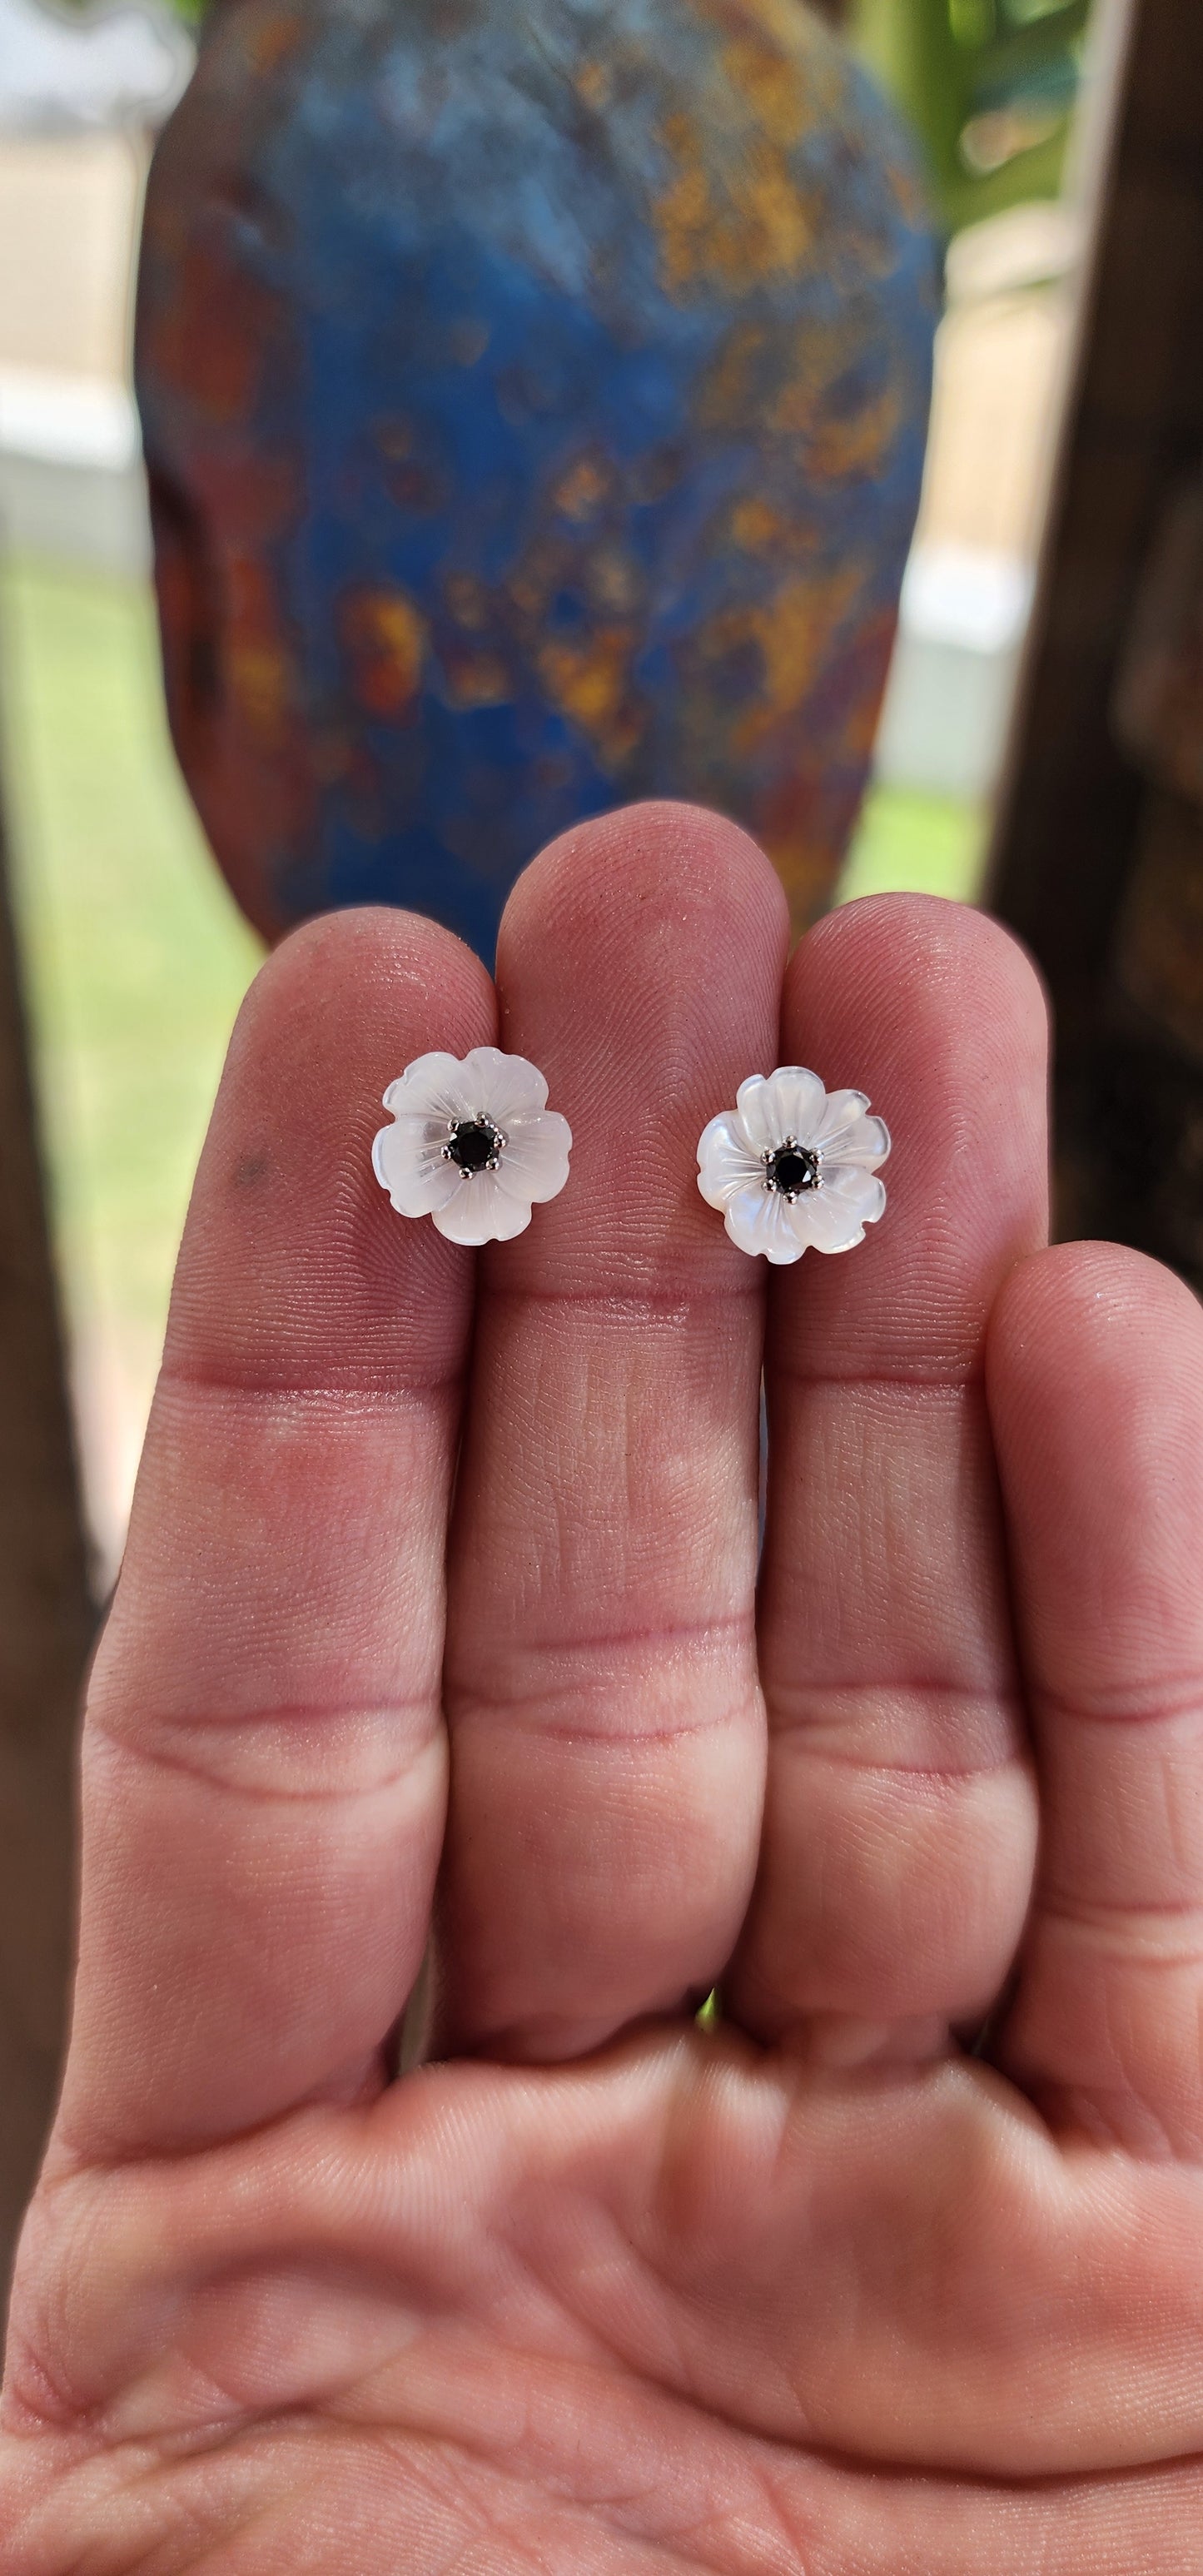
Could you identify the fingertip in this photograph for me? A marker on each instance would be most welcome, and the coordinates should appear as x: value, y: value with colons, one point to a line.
x: 677, y: 871
x: 945, y: 960
x: 640, y: 964
x: 1094, y: 1379
x: 371, y: 954
x: 936, y: 1013
x: 1080, y: 1313
x: 293, y: 1265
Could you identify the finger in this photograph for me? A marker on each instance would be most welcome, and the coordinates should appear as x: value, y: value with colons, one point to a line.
x: 607, y: 1726
x: 900, y: 1816
x: 1096, y: 1391
x: 264, y: 1756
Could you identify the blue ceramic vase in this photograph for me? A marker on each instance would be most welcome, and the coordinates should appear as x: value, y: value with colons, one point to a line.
x: 534, y: 400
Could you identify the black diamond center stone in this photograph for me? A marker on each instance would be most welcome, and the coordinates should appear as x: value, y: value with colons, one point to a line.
x: 791, y: 1169
x: 473, y: 1144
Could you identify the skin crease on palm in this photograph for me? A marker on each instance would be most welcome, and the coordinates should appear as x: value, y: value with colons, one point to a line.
x: 442, y: 1593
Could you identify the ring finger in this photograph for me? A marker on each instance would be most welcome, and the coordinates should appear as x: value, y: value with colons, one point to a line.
x: 900, y: 1817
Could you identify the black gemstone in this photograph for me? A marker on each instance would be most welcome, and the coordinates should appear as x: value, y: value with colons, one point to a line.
x: 473, y: 1144
x: 791, y: 1169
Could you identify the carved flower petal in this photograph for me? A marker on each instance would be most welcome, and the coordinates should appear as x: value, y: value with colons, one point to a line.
x: 859, y: 1192
x: 831, y: 1224
x: 412, y: 1169
x: 866, y: 1141
x: 431, y: 1087
x: 726, y: 1162
x: 534, y: 1163
x: 841, y: 1112
x: 798, y: 1104
x: 754, y: 1110
x: 482, y: 1211
x: 762, y: 1221
x: 505, y: 1087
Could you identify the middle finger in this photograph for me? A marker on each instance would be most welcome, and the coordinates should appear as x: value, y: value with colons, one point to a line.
x: 602, y: 1692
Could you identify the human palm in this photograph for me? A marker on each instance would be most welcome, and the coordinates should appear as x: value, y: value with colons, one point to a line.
x: 821, y: 2292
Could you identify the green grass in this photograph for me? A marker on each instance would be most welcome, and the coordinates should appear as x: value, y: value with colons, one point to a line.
x: 907, y: 842
x: 136, y: 960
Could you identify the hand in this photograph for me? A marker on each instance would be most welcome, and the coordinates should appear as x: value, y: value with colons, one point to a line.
x: 595, y: 2291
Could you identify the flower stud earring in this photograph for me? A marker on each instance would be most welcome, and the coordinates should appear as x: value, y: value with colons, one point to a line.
x: 472, y: 1144
x: 793, y: 1167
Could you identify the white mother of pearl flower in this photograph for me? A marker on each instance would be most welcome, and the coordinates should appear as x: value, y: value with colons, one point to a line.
x: 793, y: 1167
x: 473, y: 1144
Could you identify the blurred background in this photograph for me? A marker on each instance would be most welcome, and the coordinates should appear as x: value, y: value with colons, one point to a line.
x: 134, y: 953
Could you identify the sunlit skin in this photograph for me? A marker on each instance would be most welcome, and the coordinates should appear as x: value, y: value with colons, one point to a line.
x: 591, y: 2290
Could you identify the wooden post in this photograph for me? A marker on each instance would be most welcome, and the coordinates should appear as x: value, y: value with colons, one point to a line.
x: 46, y: 1622
x: 1087, y: 847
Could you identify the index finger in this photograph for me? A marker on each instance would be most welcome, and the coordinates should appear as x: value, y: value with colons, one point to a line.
x: 264, y: 1756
